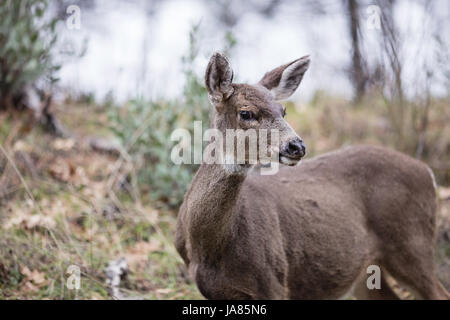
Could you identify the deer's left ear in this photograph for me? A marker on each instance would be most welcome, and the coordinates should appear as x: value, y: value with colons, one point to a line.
x: 284, y: 80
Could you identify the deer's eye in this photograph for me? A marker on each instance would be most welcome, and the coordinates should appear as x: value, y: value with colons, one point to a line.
x: 246, y: 115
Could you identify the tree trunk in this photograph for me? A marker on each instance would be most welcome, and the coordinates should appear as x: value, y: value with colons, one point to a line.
x: 39, y: 104
x: 357, y: 72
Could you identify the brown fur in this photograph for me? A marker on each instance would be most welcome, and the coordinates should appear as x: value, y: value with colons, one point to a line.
x: 310, y: 231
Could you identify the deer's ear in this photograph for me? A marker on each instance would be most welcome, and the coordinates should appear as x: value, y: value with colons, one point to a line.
x: 284, y: 80
x: 218, y: 79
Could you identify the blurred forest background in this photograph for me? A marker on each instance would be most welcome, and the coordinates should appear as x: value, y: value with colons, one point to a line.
x: 91, y: 90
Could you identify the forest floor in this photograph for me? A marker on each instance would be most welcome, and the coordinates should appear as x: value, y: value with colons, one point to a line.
x: 59, y: 206
x: 62, y: 210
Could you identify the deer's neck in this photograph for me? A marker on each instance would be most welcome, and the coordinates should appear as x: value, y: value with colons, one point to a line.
x: 211, y: 205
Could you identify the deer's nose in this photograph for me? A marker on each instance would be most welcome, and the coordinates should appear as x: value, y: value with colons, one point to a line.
x: 296, y: 148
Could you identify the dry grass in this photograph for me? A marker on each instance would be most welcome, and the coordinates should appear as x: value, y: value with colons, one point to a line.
x: 72, y: 216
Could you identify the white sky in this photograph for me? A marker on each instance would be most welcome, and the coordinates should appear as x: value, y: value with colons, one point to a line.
x: 115, y: 59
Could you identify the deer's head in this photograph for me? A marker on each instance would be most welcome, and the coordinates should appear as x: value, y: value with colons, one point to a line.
x: 245, y: 106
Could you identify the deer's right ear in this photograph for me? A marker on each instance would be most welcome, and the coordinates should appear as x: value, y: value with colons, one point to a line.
x: 284, y: 80
x: 218, y: 79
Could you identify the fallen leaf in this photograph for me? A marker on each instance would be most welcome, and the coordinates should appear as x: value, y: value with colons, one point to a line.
x: 152, y: 216
x: 29, y: 222
x: 29, y: 287
x: 60, y: 170
x: 164, y: 290
x: 38, y: 220
x: 146, y: 247
x: 139, y: 252
x: 96, y: 296
x: 21, y: 145
x: 63, y: 144
x: 68, y: 171
x: 35, y: 277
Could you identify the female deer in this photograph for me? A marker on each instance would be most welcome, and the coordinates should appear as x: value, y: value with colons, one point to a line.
x: 310, y: 231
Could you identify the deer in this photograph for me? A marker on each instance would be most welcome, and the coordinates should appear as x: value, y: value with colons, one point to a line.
x: 311, y: 230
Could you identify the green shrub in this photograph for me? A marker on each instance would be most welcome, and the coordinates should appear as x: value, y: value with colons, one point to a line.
x: 144, y: 129
x: 26, y: 41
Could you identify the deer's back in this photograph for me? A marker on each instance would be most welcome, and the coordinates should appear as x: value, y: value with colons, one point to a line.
x: 337, y: 210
